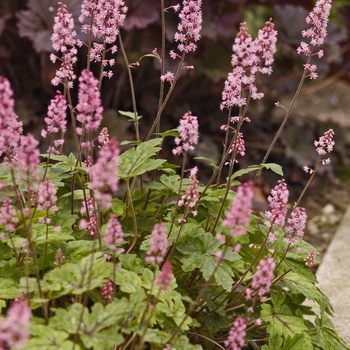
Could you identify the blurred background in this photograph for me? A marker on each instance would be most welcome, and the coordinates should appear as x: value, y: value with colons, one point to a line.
x: 26, y: 28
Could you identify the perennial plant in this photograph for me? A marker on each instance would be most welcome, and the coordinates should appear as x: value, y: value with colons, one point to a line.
x: 108, y: 249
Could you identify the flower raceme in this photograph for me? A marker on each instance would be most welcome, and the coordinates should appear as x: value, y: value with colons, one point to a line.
x: 238, y: 216
x: 14, y: 330
x: 188, y: 130
x: 249, y: 58
x: 190, y: 26
x: 10, y: 128
x: 318, y: 19
x: 278, y: 203
x: 103, y: 18
x: 104, y: 174
x: 324, y: 145
x: 235, y: 339
x: 63, y: 40
x: 114, y: 235
x: 89, y: 102
x: 158, y: 243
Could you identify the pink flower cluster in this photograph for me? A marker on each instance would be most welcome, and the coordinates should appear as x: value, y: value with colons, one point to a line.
x: 103, y: 18
x: 249, y: 58
x: 238, y: 216
x: 63, y: 39
x: 235, y: 339
x: 107, y: 291
x: 88, y: 209
x: 262, y: 279
x: 114, y: 235
x: 278, y: 203
x: 47, y: 196
x: 324, y: 145
x: 10, y: 128
x: 56, y: 118
x: 158, y: 242
x: 104, y: 174
x: 164, y: 278
x: 310, y: 259
x: 190, y: 198
x: 318, y: 19
x: 8, y: 217
x: 89, y: 102
x: 14, y: 330
x: 27, y: 166
x: 296, y: 224
x: 238, y: 146
x: 188, y: 30
x: 188, y: 130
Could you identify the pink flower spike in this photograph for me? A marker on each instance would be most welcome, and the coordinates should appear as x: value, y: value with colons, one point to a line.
x: 16, y: 324
x: 56, y: 115
x: 278, y: 203
x: 264, y: 275
x: 27, y: 165
x: 188, y: 130
x: 47, y: 196
x: 89, y: 102
x: 190, y: 26
x: 107, y: 291
x: 296, y: 225
x: 10, y: 128
x: 158, y: 243
x: 114, y: 235
x: 63, y: 39
x: 164, y: 278
x: 190, y: 198
x: 104, y: 174
x: 318, y: 19
x: 8, y: 217
x: 235, y: 339
x: 325, y: 143
x: 238, y: 216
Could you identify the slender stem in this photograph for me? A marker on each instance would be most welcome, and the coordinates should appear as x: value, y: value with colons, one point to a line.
x: 160, y: 110
x: 162, y: 64
x: 131, y: 82
x: 131, y: 206
x: 208, y: 339
x: 286, y: 117
x: 318, y: 162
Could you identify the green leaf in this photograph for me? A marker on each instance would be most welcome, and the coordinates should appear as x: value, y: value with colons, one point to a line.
x: 48, y: 338
x: 280, y: 323
x: 298, y: 284
x: 209, y: 160
x: 128, y: 281
x: 9, y: 289
x: 151, y: 55
x: 99, y: 329
x: 299, y: 341
x: 326, y: 337
x: 171, y: 133
x: 276, y: 168
x: 39, y: 235
x: 130, y: 115
x: 118, y: 207
x: 200, y: 253
x: 275, y: 343
x: 137, y: 161
x: 270, y: 166
x: 6, y: 252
